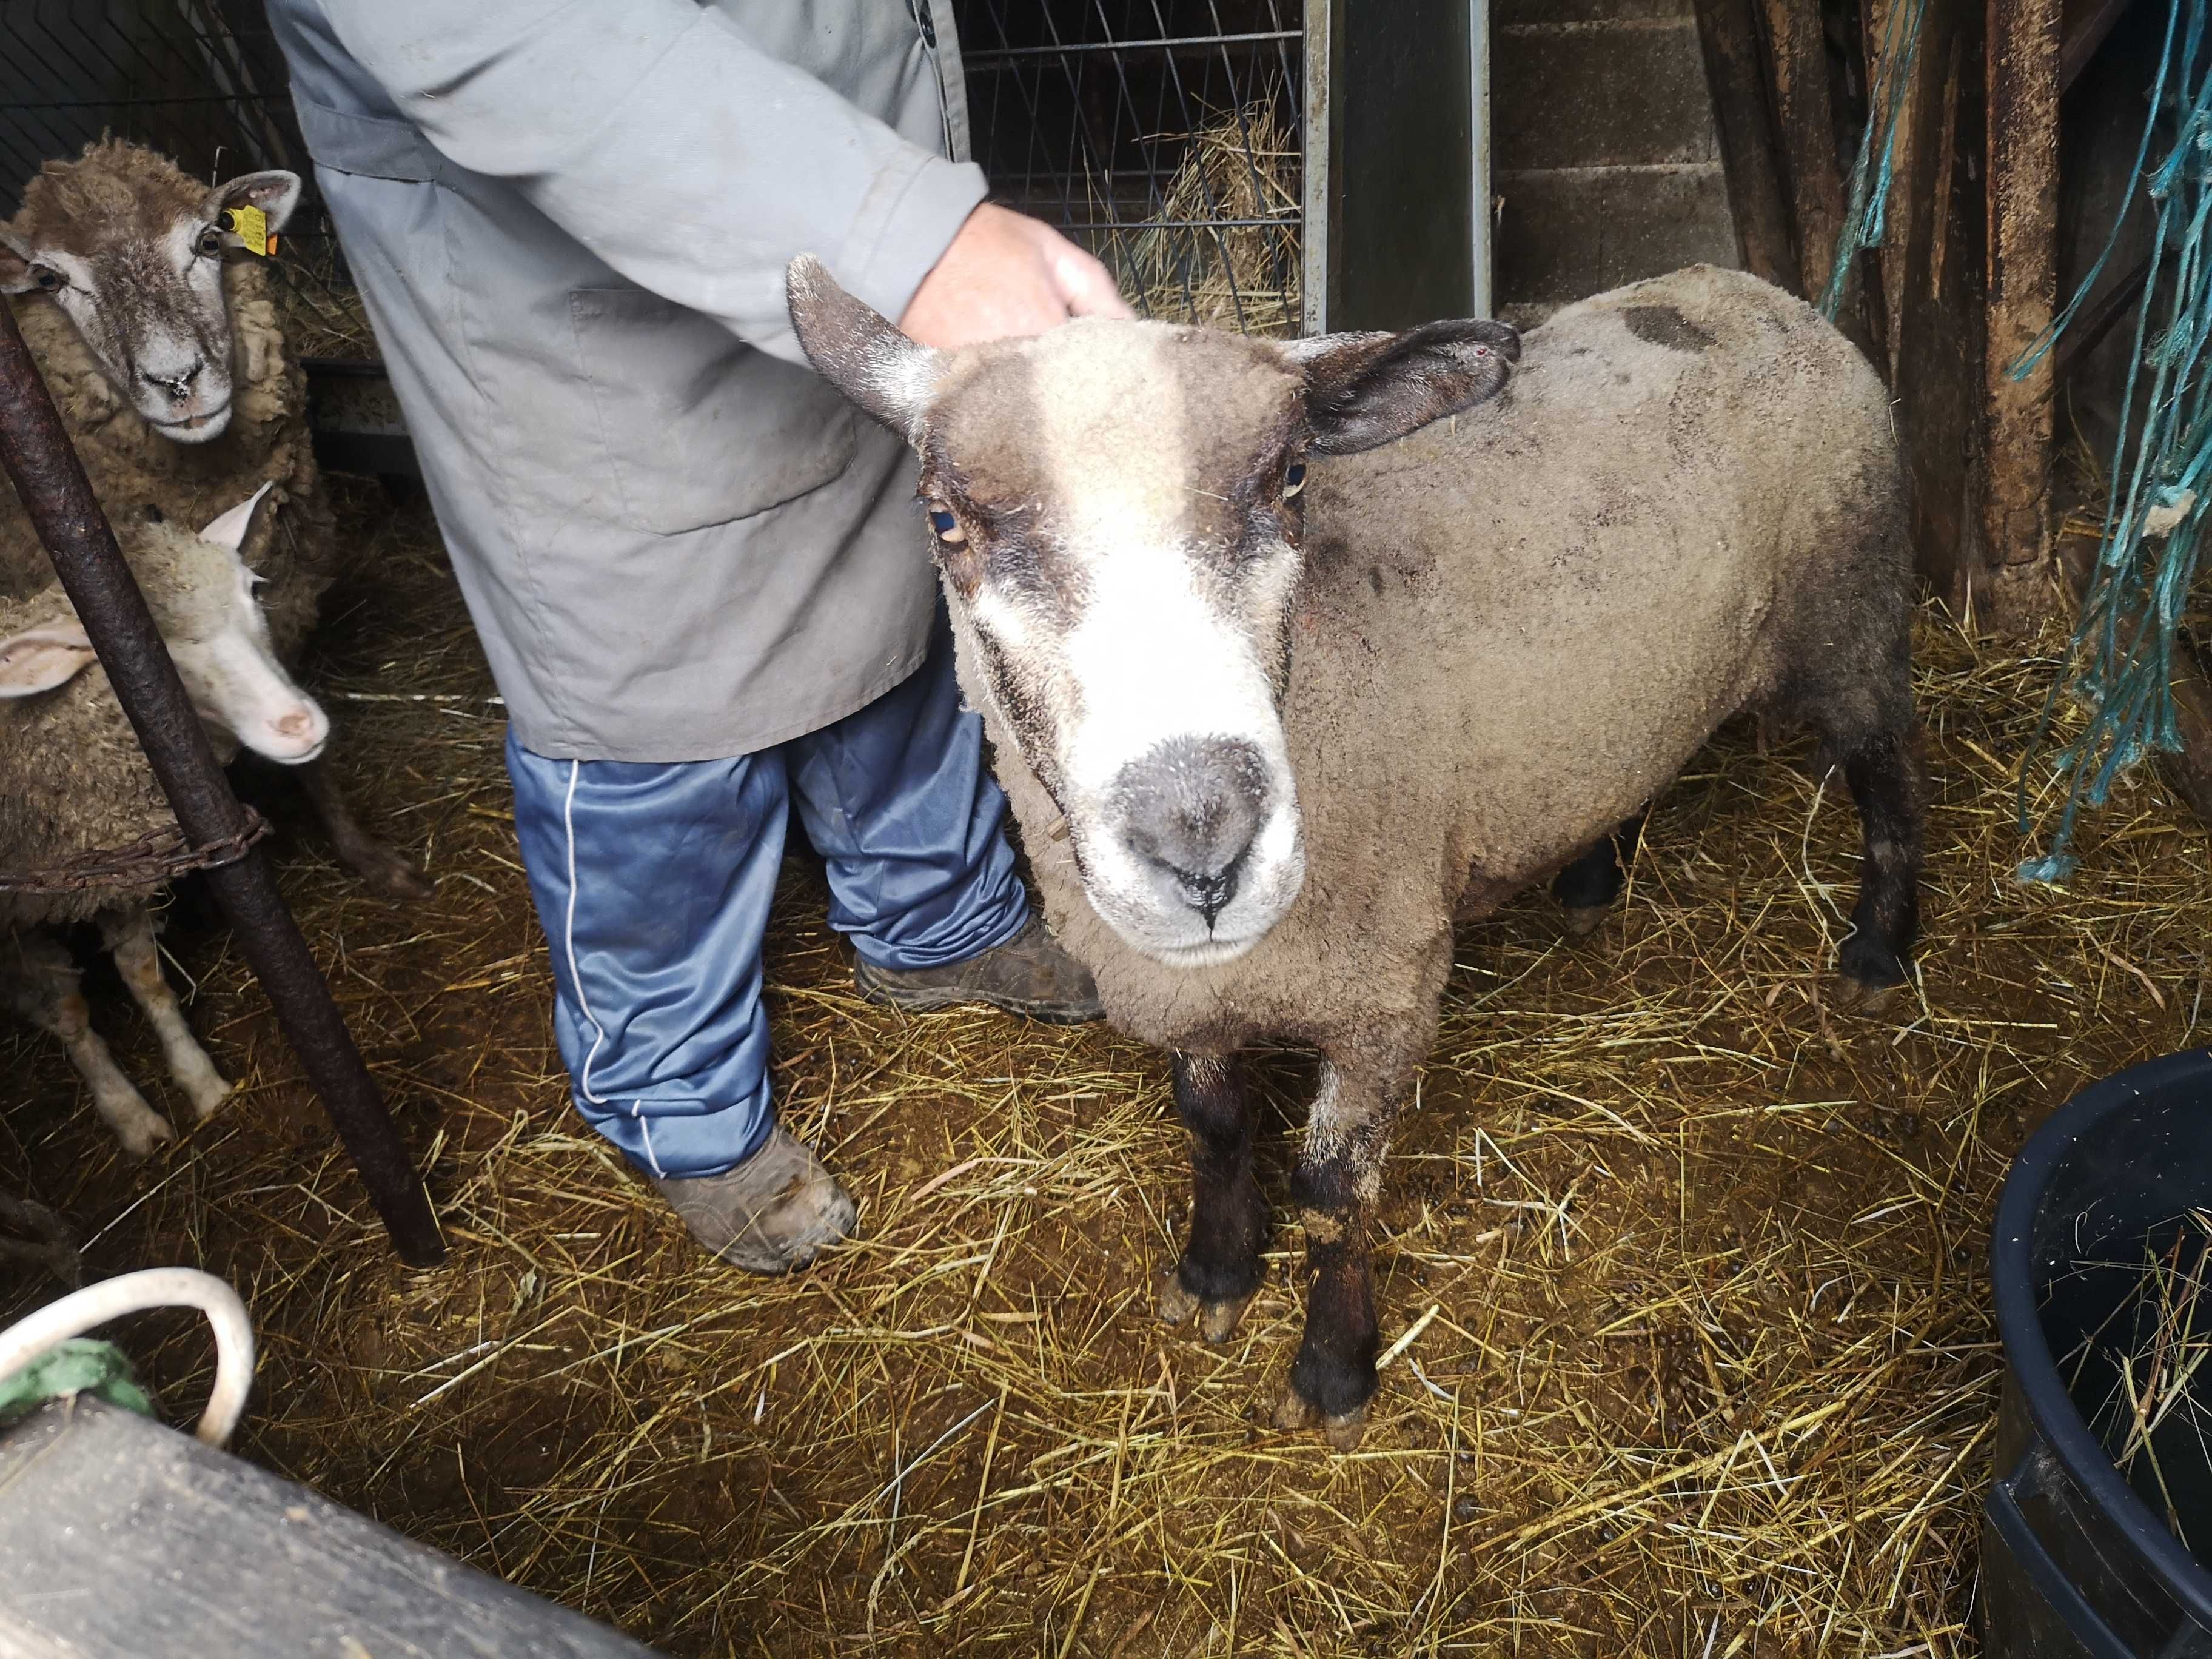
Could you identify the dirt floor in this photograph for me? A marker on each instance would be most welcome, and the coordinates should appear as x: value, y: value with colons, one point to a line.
x: 1682, y: 1272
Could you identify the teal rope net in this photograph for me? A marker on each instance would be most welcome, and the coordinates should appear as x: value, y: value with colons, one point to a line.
x: 1866, y: 221
x: 2121, y: 666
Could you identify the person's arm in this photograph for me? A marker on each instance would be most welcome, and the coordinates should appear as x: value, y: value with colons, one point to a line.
x: 697, y: 166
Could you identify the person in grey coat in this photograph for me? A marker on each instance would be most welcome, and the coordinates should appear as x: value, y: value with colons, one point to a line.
x: 699, y: 577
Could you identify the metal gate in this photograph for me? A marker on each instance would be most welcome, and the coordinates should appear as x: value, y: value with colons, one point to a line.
x: 1169, y: 136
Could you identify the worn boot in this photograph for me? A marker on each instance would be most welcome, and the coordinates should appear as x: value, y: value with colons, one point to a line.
x: 775, y: 1212
x: 1027, y: 974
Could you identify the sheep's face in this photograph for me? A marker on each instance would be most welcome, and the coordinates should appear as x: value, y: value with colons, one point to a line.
x: 132, y: 252
x: 1118, y: 508
x: 202, y: 597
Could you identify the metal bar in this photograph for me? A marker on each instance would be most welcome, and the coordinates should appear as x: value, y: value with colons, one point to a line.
x: 1317, y: 109
x: 38, y: 460
x: 1480, y: 218
x: 1003, y: 54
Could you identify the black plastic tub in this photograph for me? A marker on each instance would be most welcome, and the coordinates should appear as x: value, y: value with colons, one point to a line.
x: 2074, y: 1561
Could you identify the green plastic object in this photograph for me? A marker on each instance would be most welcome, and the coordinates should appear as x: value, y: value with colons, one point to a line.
x: 80, y: 1365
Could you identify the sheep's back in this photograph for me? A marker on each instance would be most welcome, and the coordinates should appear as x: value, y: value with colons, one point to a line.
x: 73, y: 781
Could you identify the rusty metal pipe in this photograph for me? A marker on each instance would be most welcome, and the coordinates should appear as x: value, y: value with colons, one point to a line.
x: 41, y: 463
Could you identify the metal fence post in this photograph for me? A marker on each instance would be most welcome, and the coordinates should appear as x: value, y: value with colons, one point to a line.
x: 41, y: 463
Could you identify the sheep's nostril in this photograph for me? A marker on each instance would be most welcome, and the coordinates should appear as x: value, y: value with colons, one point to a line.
x: 1209, y: 895
x: 178, y: 387
x: 297, y: 724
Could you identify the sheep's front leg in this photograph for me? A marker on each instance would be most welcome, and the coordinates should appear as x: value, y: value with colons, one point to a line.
x: 40, y: 984
x: 1221, y: 1271
x: 383, y: 870
x: 129, y: 936
x: 1338, y: 1182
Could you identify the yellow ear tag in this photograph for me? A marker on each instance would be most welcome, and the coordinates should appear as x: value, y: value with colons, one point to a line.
x: 250, y: 226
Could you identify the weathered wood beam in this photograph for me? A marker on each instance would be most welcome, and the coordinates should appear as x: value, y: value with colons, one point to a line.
x: 1889, y: 259
x: 1744, y: 116
x: 1805, y: 124
x: 1939, y: 265
x: 2022, y: 52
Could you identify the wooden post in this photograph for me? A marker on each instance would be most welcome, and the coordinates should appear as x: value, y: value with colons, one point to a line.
x: 1941, y: 375
x: 1889, y: 259
x: 1744, y: 118
x: 2023, y: 44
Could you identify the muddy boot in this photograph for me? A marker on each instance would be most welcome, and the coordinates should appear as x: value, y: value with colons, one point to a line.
x: 1027, y: 974
x: 775, y: 1212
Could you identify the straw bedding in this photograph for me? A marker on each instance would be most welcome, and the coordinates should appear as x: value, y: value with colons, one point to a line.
x: 1683, y: 1270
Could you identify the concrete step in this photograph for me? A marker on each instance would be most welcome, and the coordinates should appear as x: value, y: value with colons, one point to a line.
x: 1566, y: 233
x: 1599, y: 92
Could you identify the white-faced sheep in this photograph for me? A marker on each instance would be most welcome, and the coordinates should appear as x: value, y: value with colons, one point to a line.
x: 160, y: 340
x: 73, y: 779
x: 1294, y: 651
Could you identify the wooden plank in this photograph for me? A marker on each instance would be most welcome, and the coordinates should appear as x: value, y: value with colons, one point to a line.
x: 1804, y: 121
x: 1941, y: 317
x: 1743, y: 115
x: 120, y: 1539
x: 2022, y: 48
x: 1889, y: 258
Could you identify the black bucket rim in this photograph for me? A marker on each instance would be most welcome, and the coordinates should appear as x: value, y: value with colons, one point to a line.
x: 2035, y: 1368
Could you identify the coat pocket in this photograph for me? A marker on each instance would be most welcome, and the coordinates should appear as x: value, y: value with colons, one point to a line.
x: 699, y: 428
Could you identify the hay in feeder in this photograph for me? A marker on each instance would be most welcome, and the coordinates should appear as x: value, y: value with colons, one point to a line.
x: 1681, y: 1269
x: 1222, y: 247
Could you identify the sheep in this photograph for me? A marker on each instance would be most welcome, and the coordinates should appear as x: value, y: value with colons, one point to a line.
x: 73, y: 779
x: 160, y: 339
x: 1294, y: 652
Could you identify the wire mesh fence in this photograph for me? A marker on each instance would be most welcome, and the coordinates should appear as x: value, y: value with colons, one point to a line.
x: 1165, y: 134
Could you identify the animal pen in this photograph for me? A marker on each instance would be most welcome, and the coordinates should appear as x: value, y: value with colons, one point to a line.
x: 1688, y: 1345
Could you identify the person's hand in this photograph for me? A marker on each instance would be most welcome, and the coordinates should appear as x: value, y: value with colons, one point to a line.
x: 1007, y: 274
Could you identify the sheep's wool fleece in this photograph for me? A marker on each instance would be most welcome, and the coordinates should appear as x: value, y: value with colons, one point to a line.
x: 133, y: 467
x: 73, y: 779
x: 1515, y: 625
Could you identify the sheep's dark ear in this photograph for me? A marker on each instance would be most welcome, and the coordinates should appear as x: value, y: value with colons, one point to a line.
x: 15, y: 263
x: 1363, y: 390
x: 857, y: 351
x: 274, y: 193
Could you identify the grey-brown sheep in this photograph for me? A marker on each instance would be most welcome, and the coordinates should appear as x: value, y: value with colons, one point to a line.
x: 1292, y: 653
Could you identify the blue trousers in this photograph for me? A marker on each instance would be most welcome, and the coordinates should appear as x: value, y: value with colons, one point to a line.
x: 653, y: 882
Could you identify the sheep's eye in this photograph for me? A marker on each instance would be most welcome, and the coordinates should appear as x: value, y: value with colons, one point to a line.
x: 946, y: 527
x: 49, y: 281
x: 1294, y: 480
x: 210, y: 242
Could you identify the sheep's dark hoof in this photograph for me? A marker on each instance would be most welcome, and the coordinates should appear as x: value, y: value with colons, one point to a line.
x: 1218, y: 1317
x: 1583, y: 919
x: 1341, y: 1432
x: 388, y: 876
x: 1867, y: 1001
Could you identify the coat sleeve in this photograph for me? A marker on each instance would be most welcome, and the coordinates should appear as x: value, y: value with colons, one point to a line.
x: 686, y: 158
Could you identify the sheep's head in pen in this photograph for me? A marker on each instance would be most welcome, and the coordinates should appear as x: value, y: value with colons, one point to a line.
x: 132, y: 250
x: 1118, y: 509
x: 202, y: 597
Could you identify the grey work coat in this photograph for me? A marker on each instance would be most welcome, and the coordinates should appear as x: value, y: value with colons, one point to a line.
x: 569, y: 224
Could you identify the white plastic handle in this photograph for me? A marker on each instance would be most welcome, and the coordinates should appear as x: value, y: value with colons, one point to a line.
x: 31, y: 1339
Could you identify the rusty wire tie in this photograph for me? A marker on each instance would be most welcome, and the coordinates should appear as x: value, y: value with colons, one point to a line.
x: 156, y: 857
